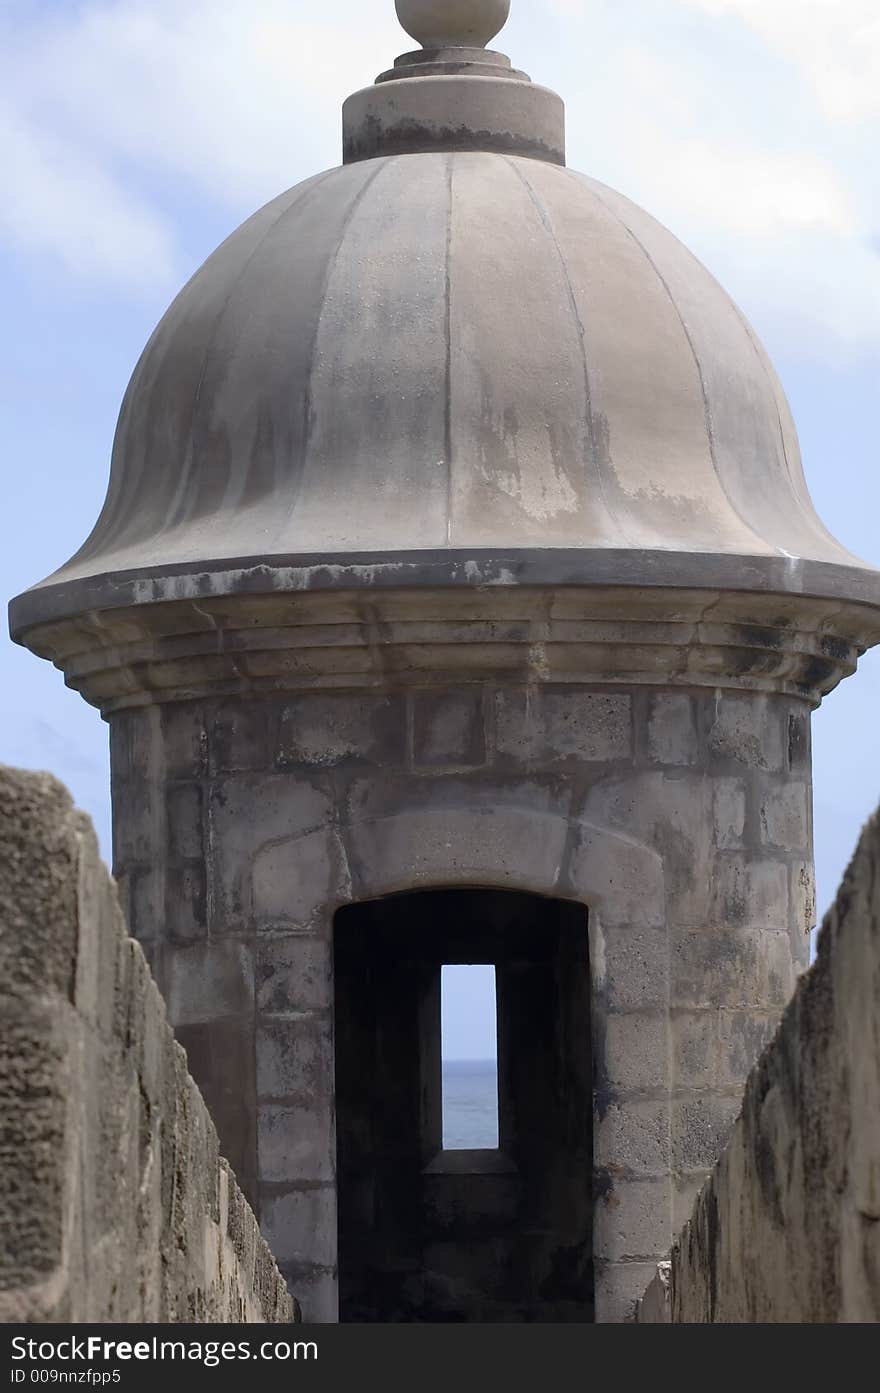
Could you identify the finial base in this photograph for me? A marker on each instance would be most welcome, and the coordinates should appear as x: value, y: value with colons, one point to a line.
x: 412, y: 117
x: 448, y: 62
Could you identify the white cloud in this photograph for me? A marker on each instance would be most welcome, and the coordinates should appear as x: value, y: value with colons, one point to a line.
x: 768, y: 174
x: 61, y: 202
x: 836, y: 44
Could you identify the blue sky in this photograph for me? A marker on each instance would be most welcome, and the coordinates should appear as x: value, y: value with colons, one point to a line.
x: 135, y: 134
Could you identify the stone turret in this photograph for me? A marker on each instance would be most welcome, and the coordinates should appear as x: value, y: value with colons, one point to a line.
x: 458, y: 597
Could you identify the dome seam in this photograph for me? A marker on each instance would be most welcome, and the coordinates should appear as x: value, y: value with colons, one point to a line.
x: 183, y: 481
x: 797, y: 485
x: 707, y: 406
x: 447, y: 425
x: 547, y: 224
x: 381, y: 165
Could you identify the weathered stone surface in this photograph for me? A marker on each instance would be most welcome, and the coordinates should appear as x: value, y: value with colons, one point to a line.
x: 634, y: 1220
x: 449, y: 729
x: 114, y: 1203
x: 597, y: 797
x: 672, y: 732
x: 545, y: 727
x: 787, y: 1228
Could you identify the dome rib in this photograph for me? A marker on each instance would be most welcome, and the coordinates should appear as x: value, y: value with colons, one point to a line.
x: 707, y: 406
x: 379, y: 167
x: 593, y: 449
x: 230, y: 496
x: 447, y: 425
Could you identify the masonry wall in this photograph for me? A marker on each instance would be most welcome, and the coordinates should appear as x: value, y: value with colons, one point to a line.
x: 788, y: 1226
x: 115, y: 1205
x: 680, y: 819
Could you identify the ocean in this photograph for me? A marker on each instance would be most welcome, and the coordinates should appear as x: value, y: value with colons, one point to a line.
x: 470, y: 1105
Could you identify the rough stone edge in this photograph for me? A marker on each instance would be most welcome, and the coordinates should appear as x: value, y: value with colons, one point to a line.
x: 810, y: 1272
x: 63, y: 942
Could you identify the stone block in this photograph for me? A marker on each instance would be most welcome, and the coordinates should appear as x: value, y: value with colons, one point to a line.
x: 297, y: 1143
x: 370, y: 799
x: 340, y: 728
x: 700, y: 1129
x: 633, y: 1221
x: 802, y: 907
x: 186, y: 903
x: 619, y: 1288
x: 39, y: 872
x: 209, y: 982
x: 749, y: 893
x: 715, y: 967
x: 729, y: 810
x: 799, y: 743
x: 243, y: 736
x: 300, y: 1225
x: 671, y: 813
x: 777, y: 970
x: 295, y: 1058
x: 316, y: 1290
x: 672, y: 730
x: 184, y: 822
x: 534, y: 725
x: 299, y: 881
x: 145, y: 905
x: 684, y: 1196
x: 695, y: 1049
x: 137, y: 823
x: 247, y: 814
x: 184, y: 741
x: 748, y: 730
x: 618, y: 876
x: 499, y: 846
x: 110, y: 1178
x: 633, y: 1139
x: 785, y: 816
x: 635, y: 968
x: 637, y: 1053
x: 742, y: 1037
x: 448, y: 729
x: 137, y: 741
x: 294, y: 973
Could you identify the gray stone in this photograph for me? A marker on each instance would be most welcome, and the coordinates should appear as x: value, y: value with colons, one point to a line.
x: 333, y: 729
x: 104, y: 1223
x: 209, y: 981
x: 672, y: 732
x: 457, y: 538
x: 296, y: 1143
x: 730, y: 813
x: 293, y: 973
x: 634, y: 1220
x: 448, y: 729
x: 637, y: 1053
x: 748, y: 731
x: 536, y: 726
x: 786, y: 1227
x: 300, y: 1225
x: 294, y: 1058
x: 700, y: 1128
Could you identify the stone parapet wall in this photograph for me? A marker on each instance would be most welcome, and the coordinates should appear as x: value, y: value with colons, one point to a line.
x: 682, y: 820
x: 115, y: 1205
x: 787, y: 1228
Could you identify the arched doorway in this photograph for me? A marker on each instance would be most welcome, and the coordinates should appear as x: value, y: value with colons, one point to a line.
x: 433, y: 1235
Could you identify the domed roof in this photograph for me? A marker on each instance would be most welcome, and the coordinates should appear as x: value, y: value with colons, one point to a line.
x: 452, y: 361
x: 452, y: 350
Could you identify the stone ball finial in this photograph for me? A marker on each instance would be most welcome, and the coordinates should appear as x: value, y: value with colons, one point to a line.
x: 453, y: 23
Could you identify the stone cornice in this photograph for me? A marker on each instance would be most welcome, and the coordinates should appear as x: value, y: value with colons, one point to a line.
x: 128, y: 640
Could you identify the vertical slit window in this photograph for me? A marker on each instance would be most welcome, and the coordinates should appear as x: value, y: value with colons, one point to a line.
x: 469, y: 1050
